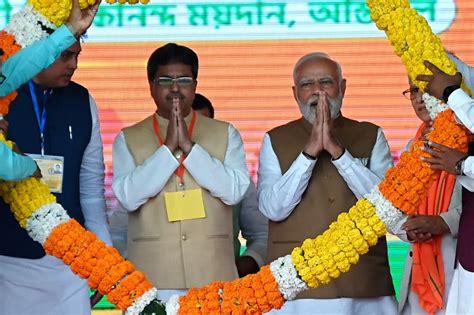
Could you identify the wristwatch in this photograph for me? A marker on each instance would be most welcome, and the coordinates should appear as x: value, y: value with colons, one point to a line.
x: 459, y: 167
x: 448, y: 90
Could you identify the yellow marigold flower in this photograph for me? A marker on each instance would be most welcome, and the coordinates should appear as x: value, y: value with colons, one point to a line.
x: 343, y: 265
x: 313, y: 283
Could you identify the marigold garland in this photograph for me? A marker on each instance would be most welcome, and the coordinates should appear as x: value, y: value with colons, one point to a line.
x: 89, y: 257
x: 57, y: 11
x: 410, y: 34
x: 8, y: 47
x: 254, y: 294
x: 411, y: 37
x: 326, y: 257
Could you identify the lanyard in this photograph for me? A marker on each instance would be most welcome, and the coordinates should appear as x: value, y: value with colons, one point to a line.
x: 180, y: 170
x: 40, y: 117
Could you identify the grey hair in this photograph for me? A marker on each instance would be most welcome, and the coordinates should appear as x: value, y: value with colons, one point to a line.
x: 316, y: 56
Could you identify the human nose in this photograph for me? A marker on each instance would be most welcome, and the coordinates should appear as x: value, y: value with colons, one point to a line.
x: 317, y: 88
x: 174, y: 86
x: 417, y: 97
x: 72, y: 63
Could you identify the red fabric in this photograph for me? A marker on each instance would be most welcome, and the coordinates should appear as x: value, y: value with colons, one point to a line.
x: 427, y: 271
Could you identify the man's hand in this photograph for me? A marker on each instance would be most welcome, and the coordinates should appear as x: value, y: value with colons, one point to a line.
x: 3, y: 126
x: 95, y: 298
x: 422, y: 225
x: 330, y: 143
x: 37, y: 173
x: 425, y: 131
x: 80, y: 20
x: 442, y: 157
x: 171, y: 140
x: 314, y: 146
x: 419, y: 237
x: 439, y: 80
x: 184, y: 142
x: 246, y: 265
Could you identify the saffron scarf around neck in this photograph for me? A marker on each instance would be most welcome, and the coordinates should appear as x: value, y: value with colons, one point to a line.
x: 427, y: 277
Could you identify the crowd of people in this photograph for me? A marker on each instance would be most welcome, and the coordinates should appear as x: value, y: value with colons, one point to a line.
x: 184, y: 191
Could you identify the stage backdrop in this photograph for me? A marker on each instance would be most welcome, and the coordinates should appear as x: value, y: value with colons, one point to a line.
x: 247, y: 50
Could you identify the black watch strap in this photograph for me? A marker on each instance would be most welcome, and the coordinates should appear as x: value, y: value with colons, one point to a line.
x: 448, y: 90
x: 458, y: 168
x: 309, y: 156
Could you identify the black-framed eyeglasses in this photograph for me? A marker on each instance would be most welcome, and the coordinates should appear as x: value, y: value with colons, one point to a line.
x: 168, y: 81
x: 411, y: 93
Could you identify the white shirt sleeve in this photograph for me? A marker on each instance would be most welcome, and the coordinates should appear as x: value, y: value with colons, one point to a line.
x: 278, y: 194
x: 230, y: 180
x: 463, y: 106
x: 361, y: 175
x: 466, y: 70
x: 134, y: 185
x: 118, y: 222
x: 91, y: 182
x: 254, y: 227
x: 452, y: 216
x: 468, y: 169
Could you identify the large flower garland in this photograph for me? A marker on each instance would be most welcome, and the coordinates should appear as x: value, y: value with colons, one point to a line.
x: 316, y: 262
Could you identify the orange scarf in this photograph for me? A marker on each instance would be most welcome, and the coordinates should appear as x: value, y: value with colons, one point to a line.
x: 427, y: 271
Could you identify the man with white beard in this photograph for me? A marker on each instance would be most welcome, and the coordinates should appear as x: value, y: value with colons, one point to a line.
x: 312, y: 169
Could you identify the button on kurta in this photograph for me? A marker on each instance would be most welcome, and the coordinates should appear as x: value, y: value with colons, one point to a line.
x: 184, y: 237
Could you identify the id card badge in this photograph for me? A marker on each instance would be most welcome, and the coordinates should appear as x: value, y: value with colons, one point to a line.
x: 184, y: 205
x: 52, y: 170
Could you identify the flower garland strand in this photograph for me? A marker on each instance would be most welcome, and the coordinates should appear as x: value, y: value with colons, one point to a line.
x: 34, y: 206
x: 413, y: 40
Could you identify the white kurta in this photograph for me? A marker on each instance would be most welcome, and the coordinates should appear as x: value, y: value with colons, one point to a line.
x: 134, y: 185
x: 280, y: 193
x: 460, y: 299
x: 46, y: 285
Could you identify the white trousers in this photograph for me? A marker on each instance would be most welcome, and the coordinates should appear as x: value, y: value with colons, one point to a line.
x: 43, y: 286
x: 461, y: 295
x: 384, y: 305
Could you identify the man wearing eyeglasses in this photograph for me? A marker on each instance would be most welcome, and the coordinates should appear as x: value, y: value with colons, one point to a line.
x: 310, y: 171
x: 55, y: 121
x: 433, y: 233
x: 178, y: 173
x: 448, y: 88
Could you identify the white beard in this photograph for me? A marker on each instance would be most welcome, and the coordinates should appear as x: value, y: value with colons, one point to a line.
x: 309, y: 112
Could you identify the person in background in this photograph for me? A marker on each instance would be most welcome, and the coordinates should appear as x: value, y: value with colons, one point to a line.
x: 29, y: 61
x: 203, y: 105
x: 310, y: 171
x: 24, y: 65
x: 429, y: 264
x: 178, y: 174
x: 247, y: 218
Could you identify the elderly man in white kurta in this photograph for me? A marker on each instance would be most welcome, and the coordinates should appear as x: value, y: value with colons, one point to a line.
x: 314, y: 168
x: 447, y: 88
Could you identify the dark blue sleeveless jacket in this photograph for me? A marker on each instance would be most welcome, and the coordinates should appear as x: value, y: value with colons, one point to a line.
x: 65, y: 107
